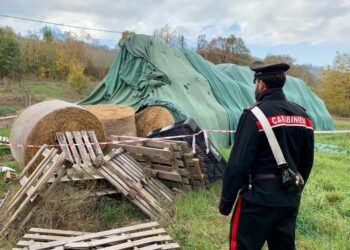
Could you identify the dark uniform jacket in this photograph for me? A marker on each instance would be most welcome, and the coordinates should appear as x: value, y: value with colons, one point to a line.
x: 251, y: 153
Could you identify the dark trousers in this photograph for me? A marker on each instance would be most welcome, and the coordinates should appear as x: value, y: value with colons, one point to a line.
x: 253, y: 224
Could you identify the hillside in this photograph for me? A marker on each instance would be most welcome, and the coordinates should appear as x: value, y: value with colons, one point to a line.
x: 27, y: 92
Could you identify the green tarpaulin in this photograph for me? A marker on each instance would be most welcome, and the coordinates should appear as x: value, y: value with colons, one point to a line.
x: 149, y: 72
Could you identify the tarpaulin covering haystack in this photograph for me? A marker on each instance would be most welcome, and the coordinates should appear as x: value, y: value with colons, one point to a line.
x: 148, y: 72
x: 116, y: 119
x: 37, y: 124
x: 152, y: 118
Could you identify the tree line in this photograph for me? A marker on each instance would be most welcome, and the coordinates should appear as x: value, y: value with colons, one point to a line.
x: 50, y: 55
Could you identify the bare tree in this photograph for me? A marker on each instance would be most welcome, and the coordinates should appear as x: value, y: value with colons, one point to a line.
x: 166, y: 33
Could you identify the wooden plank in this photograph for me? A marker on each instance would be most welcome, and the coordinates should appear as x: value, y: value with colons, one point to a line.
x: 145, y: 194
x: 62, y: 141
x: 161, y: 153
x: 105, y: 192
x: 42, y: 237
x: 95, y: 145
x: 161, y: 246
x: 151, y: 247
x: 115, y: 239
x: 116, y: 181
x: 164, y: 189
x: 2, y: 201
x: 197, y: 173
x: 138, y: 190
x: 88, y: 145
x: 171, y: 176
x: 168, y: 194
x: 119, y: 185
x: 126, y: 159
x: 182, y: 172
x: 147, y: 143
x: 31, y: 162
x: 140, y: 242
x: 23, y: 180
x: 125, y: 170
x: 135, y: 169
x: 72, y: 147
x: 26, y: 243
x: 92, y: 236
x: 142, y: 158
x: 81, y: 147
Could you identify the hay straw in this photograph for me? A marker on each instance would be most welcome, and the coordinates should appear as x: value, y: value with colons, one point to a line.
x: 152, y: 118
x: 116, y: 119
x: 37, y: 125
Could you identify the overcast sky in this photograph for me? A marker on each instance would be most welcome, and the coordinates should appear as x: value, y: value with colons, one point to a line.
x: 309, y: 30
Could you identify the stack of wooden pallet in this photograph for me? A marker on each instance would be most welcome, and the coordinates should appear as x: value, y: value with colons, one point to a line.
x: 142, y: 236
x: 170, y: 161
x: 125, y: 174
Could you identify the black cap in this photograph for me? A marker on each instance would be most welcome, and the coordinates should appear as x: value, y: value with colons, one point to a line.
x: 261, y: 68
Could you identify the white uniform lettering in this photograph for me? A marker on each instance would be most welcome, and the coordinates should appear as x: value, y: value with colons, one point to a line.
x: 274, y: 121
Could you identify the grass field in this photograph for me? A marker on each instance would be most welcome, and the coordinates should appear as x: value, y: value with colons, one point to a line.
x: 17, y: 96
x: 323, y: 222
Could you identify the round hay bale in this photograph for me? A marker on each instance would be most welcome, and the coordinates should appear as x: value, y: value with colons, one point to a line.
x: 116, y: 119
x: 37, y: 125
x: 151, y: 118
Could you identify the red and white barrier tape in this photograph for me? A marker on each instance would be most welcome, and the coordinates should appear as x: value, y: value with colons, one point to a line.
x: 204, y: 131
x: 105, y: 143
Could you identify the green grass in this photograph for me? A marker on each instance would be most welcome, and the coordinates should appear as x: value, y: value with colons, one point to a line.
x: 18, y: 95
x: 340, y: 140
x: 9, y: 109
x: 324, y: 217
x: 5, y: 132
x: 323, y: 221
x: 342, y: 124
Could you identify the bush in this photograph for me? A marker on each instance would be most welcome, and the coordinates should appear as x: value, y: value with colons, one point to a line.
x: 76, y: 78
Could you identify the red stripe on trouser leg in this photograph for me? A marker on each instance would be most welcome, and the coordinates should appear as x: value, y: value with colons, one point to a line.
x: 234, y: 227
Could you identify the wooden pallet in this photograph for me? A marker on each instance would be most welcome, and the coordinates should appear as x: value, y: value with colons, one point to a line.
x: 33, y: 185
x: 142, y: 236
x: 127, y: 176
x: 124, y: 173
x: 86, y: 150
x: 81, y: 155
x: 41, y: 235
x: 171, y: 161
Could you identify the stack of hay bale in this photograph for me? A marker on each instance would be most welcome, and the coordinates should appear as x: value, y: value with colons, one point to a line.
x: 37, y: 124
